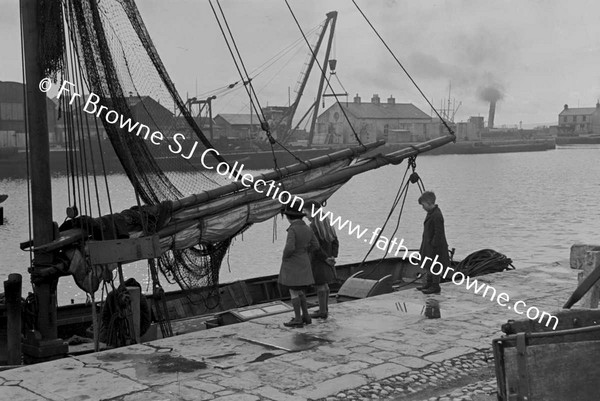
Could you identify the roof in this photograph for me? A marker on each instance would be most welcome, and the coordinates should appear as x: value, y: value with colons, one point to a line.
x: 240, y: 119
x: 12, y: 92
x: 133, y: 100
x: 385, y: 110
x: 578, y: 111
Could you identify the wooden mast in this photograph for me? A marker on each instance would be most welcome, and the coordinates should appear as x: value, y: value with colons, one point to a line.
x: 41, y: 191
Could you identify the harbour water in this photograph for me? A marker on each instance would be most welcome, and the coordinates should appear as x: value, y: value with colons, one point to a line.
x: 529, y: 206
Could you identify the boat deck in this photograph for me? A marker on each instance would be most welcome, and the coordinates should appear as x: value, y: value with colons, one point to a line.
x: 374, y: 347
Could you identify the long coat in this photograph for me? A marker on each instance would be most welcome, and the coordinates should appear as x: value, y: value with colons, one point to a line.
x: 323, y: 272
x: 434, y: 238
x: 295, y: 265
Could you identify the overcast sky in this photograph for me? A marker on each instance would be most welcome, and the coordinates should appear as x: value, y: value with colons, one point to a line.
x: 538, y: 54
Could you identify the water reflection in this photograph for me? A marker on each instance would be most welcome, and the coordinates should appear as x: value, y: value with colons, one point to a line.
x: 430, y: 309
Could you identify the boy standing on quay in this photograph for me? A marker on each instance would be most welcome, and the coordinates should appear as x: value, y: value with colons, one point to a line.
x: 322, y: 259
x: 296, y: 272
x: 434, y: 242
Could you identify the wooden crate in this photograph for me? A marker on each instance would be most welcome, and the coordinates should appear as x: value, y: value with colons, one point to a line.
x: 561, y: 365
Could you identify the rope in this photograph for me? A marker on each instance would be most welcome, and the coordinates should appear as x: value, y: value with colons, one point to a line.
x: 248, y: 84
x: 403, y: 69
x: 402, y: 192
x: 400, y: 197
x: 484, y: 261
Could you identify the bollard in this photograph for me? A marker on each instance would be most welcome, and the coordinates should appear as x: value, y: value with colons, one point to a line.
x: 134, y: 296
x: 1, y: 215
x: 12, y: 291
x: 577, y: 254
x: 591, y: 262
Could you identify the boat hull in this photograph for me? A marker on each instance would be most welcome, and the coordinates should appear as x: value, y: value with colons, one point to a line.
x: 76, y: 319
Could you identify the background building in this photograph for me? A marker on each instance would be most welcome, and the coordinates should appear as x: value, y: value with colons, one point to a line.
x: 580, y: 120
x: 238, y: 126
x: 390, y: 121
x: 12, y: 116
x: 470, y: 130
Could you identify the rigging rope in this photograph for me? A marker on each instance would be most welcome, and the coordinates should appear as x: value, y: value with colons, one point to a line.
x: 248, y: 81
x: 400, y: 195
x: 403, y: 69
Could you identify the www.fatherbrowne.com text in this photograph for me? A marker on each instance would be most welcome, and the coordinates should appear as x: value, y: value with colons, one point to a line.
x: 396, y: 247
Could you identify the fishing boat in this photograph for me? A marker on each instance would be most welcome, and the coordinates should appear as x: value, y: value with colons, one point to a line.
x: 183, y: 224
x: 206, y: 308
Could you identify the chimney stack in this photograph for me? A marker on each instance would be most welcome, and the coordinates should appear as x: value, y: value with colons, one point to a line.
x: 375, y: 99
x: 492, y: 113
x: 357, y: 99
x: 391, y: 100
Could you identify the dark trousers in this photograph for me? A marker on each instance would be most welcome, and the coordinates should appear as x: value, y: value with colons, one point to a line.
x: 430, y: 278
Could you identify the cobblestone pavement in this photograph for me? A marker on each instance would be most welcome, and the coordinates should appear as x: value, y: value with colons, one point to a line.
x: 374, y: 348
x: 433, y: 378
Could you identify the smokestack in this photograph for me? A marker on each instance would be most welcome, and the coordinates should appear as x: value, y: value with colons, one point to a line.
x: 492, y: 113
x: 490, y: 94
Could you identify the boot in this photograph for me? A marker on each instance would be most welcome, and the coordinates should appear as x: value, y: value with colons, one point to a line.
x: 434, y: 289
x: 297, y: 320
x: 323, y: 299
x: 304, y: 306
x: 427, y: 285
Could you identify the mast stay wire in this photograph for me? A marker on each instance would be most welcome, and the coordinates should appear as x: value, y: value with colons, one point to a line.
x: 270, y: 80
x: 261, y: 68
x: 403, y: 69
x: 324, y: 75
x: 248, y: 83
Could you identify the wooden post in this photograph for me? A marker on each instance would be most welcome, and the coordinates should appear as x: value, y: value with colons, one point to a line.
x: 46, y: 345
x: 591, y: 262
x: 12, y: 291
x: 586, y: 257
x: 577, y: 255
x: 134, y: 296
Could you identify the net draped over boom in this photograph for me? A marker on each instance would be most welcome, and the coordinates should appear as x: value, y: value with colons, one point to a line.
x: 107, y: 44
x: 106, y: 51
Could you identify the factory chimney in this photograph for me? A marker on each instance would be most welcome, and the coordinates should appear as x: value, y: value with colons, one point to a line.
x: 492, y: 113
x: 490, y: 94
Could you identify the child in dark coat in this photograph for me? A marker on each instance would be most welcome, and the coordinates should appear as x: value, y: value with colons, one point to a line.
x: 322, y: 259
x: 434, y: 242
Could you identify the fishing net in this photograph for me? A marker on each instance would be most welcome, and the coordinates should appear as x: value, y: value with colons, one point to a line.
x: 129, y: 104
